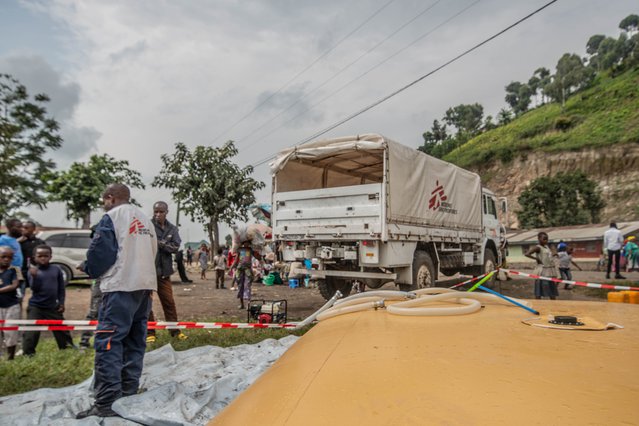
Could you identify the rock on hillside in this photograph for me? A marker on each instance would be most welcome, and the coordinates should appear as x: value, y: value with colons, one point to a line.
x: 615, y: 169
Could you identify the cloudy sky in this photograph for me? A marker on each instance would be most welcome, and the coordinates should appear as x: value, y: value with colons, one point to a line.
x: 132, y: 78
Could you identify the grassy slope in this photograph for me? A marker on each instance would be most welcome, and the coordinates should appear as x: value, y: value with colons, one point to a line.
x: 606, y: 113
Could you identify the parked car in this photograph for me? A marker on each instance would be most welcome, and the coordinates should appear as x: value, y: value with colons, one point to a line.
x: 69, y: 250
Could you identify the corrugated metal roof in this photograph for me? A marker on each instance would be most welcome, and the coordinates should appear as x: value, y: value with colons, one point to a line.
x: 571, y: 233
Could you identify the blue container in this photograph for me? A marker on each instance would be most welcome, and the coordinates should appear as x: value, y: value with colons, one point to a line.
x: 293, y: 283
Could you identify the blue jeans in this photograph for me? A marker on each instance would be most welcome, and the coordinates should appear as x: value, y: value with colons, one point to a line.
x: 120, y: 343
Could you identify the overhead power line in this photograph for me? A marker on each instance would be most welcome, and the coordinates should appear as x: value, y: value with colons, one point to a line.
x: 319, y: 58
x: 344, y: 86
x: 398, y: 91
x: 338, y: 73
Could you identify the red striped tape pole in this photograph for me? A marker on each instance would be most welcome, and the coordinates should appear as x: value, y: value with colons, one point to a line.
x: 469, y: 281
x: 579, y: 283
x: 71, y: 325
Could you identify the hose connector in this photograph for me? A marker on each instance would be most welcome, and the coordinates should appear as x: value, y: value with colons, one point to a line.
x: 379, y: 305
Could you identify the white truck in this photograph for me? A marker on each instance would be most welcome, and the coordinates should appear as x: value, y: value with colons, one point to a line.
x: 364, y: 209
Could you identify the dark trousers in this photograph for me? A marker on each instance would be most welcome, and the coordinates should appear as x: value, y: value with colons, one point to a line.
x: 617, y: 256
x: 94, y: 308
x: 180, y: 267
x: 219, y: 278
x: 120, y: 342
x: 165, y: 294
x: 30, y: 338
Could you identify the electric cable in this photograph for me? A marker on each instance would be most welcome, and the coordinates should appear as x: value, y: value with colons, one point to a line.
x: 338, y: 73
x: 407, y: 86
x: 319, y: 58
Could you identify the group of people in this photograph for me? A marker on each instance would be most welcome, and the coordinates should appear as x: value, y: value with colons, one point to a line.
x: 240, y: 266
x: 130, y: 257
x: 25, y: 262
x: 614, y: 247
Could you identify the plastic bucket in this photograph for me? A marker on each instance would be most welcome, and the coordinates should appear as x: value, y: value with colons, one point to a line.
x: 269, y: 279
x: 293, y: 283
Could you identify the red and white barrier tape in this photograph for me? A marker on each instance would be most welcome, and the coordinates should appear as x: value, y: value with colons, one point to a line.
x: 579, y: 283
x: 71, y: 325
x: 469, y: 281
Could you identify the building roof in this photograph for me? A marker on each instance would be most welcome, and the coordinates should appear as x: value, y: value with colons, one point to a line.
x: 570, y: 233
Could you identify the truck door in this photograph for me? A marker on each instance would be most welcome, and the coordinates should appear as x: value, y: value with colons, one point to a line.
x: 491, y: 223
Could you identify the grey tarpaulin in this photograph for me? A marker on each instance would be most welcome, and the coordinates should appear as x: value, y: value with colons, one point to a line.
x: 181, y: 388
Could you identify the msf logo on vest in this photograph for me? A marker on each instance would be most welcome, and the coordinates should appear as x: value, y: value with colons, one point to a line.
x: 137, y: 227
x: 439, y: 200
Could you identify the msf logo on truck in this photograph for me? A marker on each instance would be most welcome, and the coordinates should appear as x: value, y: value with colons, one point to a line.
x: 439, y: 200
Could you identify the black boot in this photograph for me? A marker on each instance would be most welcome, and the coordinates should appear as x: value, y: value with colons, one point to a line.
x: 98, y: 412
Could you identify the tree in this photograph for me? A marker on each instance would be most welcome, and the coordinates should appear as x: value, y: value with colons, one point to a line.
x: 80, y: 188
x: 543, y: 74
x: 466, y: 118
x: 504, y: 116
x: 433, y: 138
x: 26, y: 134
x: 565, y: 199
x: 518, y: 96
x: 630, y: 23
x: 208, y: 185
x: 571, y: 75
x: 592, y: 46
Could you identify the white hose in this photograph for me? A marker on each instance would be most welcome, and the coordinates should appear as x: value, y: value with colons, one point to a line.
x: 469, y: 302
x: 384, y: 294
x: 471, y: 305
x: 312, y: 317
x: 349, y: 309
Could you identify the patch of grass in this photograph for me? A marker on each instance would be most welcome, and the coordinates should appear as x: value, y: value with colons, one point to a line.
x: 50, y: 367
x: 53, y: 368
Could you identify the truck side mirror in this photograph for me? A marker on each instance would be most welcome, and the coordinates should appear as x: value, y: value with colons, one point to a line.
x: 504, y: 205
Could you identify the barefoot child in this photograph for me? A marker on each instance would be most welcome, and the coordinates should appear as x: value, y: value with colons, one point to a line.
x: 545, y: 268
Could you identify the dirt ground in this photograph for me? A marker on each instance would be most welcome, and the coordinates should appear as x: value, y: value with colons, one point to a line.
x: 202, y: 302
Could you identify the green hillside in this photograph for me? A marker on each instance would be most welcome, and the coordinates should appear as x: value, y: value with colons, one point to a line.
x: 607, y: 113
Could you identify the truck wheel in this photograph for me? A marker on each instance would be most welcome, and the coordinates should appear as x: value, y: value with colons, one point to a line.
x: 490, y: 264
x: 329, y: 286
x: 423, y: 272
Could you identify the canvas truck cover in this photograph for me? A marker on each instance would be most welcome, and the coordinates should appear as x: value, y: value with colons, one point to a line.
x: 422, y: 190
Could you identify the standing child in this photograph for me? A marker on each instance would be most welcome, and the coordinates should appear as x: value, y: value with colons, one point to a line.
x: 565, y: 259
x: 545, y: 268
x: 47, y: 300
x: 9, y: 301
x: 203, y: 258
x: 220, y: 267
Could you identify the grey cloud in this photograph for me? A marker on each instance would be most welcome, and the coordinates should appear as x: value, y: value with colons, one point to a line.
x: 291, y: 103
x: 39, y: 77
x: 78, y: 143
x: 130, y: 51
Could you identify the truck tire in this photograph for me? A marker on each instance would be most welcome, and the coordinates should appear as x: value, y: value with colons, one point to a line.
x: 490, y: 264
x: 329, y: 286
x: 423, y: 272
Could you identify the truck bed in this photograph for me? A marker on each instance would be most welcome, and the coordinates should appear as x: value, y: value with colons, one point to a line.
x: 352, y: 210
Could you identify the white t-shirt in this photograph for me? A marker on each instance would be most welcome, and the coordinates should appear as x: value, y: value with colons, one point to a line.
x: 613, y: 239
